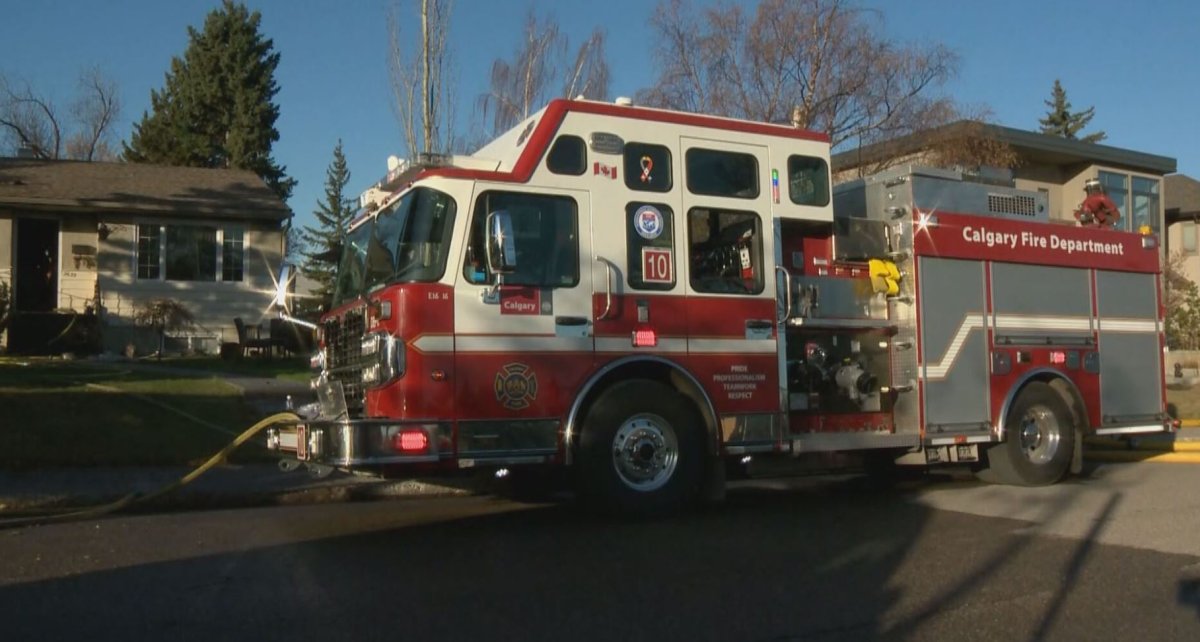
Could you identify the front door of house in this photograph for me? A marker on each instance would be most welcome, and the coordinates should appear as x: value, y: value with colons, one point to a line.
x: 36, y: 273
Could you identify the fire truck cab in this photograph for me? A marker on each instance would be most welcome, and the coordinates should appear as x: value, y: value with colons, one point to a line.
x: 645, y: 295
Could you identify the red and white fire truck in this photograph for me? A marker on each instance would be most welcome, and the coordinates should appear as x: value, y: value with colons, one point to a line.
x: 646, y: 296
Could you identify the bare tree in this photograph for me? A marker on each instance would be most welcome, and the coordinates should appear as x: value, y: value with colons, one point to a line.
x: 31, y: 120
x: 523, y: 84
x: 95, y: 108
x: 823, y: 65
x: 424, y: 101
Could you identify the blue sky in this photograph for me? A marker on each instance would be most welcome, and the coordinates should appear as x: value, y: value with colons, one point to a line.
x: 1137, y: 64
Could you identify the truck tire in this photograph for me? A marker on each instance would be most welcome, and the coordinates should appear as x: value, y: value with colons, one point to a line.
x: 1039, y: 440
x: 641, y: 450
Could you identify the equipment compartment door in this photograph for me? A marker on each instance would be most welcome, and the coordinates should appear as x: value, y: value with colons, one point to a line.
x: 953, y: 346
x: 1130, y: 353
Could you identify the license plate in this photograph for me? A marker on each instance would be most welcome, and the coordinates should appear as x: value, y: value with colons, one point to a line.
x: 301, y: 442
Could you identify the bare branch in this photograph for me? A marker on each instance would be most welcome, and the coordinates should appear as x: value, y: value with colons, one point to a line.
x: 824, y: 64
x: 419, y: 76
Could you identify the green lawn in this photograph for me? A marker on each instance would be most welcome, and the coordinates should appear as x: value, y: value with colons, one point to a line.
x: 58, y: 413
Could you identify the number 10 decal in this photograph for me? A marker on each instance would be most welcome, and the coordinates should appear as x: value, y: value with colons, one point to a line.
x: 657, y: 266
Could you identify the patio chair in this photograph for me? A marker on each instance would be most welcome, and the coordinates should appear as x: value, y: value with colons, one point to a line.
x: 250, y: 338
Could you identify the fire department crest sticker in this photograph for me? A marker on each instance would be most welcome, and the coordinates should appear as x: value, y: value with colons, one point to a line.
x: 516, y: 386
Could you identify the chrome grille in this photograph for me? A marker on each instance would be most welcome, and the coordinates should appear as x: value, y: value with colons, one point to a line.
x: 343, y: 357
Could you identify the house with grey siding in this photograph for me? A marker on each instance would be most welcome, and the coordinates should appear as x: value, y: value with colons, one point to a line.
x: 103, y: 239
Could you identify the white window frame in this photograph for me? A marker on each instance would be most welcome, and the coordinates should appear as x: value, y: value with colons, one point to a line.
x: 162, y: 250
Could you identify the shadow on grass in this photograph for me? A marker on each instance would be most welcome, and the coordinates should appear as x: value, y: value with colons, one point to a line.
x: 91, y: 414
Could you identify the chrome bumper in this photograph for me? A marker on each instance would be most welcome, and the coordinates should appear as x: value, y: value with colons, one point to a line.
x: 362, y: 442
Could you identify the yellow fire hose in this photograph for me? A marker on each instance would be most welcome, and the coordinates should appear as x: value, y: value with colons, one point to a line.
x: 73, y: 514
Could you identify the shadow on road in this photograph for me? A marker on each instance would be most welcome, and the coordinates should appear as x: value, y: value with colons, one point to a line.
x: 833, y: 560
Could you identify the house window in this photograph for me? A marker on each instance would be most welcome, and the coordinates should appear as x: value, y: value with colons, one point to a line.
x: 1188, y: 231
x: 233, y: 252
x: 1145, y: 203
x: 190, y: 253
x: 1117, y: 188
x: 148, y: 251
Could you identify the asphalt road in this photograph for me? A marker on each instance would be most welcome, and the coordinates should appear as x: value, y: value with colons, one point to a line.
x: 1114, y: 556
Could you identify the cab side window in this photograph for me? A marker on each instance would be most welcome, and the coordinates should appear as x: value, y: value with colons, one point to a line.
x: 725, y: 251
x: 546, y: 239
x: 715, y: 172
x: 808, y: 180
x: 568, y: 156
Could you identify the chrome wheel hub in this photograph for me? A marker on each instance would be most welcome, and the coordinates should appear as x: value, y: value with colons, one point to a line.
x: 645, y: 452
x: 1040, y: 434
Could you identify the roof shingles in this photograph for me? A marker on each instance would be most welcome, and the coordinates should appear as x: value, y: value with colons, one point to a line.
x: 135, y: 187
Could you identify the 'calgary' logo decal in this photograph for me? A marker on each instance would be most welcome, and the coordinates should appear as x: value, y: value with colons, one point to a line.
x: 516, y: 386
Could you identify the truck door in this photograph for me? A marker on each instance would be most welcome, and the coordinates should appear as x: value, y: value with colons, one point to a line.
x: 522, y: 349
x: 729, y: 236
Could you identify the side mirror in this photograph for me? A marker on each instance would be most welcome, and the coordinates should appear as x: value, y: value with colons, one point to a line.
x: 501, y: 244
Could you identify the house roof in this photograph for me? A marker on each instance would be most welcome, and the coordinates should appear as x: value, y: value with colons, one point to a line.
x: 136, y: 188
x: 1181, y: 196
x: 1046, y: 148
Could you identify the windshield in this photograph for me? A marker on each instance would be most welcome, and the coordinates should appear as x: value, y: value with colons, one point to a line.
x: 405, y: 243
x: 352, y: 266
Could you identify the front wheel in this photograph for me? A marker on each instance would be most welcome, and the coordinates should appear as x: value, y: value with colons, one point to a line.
x: 641, y: 449
x: 1039, y: 440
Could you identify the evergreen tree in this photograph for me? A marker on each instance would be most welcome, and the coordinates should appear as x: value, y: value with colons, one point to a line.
x: 1061, y: 121
x: 333, y: 215
x: 216, y: 108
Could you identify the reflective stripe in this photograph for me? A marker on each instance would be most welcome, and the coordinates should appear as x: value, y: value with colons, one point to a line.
x: 523, y: 344
x: 732, y: 346
x: 1128, y: 325
x: 434, y: 343
x: 625, y: 344
x: 939, y: 370
x: 1022, y: 322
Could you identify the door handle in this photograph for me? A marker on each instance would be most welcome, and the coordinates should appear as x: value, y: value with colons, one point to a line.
x: 608, y: 287
x: 570, y: 321
x: 758, y: 324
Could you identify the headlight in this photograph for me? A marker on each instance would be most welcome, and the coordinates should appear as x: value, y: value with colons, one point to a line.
x: 384, y: 355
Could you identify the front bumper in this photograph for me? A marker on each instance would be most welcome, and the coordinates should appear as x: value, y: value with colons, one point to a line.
x: 328, y: 436
x: 362, y: 442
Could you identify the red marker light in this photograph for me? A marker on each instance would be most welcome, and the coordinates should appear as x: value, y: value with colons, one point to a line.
x: 644, y: 338
x: 410, y: 440
x: 1058, y: 357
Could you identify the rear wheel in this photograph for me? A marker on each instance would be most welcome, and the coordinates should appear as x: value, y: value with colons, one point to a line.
x: 641, y: 449
x: 1039, y: 440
